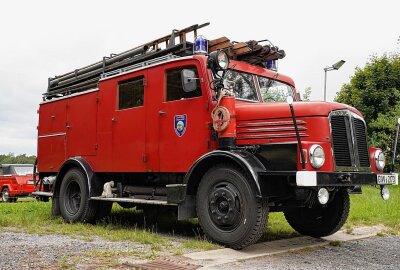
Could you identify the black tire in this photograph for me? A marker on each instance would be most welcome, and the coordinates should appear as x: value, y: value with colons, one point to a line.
x: 126, y: 205
x: 156, y: 214
x: 5, y: 195
x: 229, y: 211
x: 103, y: 210
x: 42, y: 198
x: 75, y: 205
x: 320, y: 221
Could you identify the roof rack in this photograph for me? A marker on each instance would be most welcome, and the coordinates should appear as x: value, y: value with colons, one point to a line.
x: 88, y: 77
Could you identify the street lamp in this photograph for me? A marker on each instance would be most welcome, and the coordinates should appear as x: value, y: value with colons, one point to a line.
x: 335, y: 66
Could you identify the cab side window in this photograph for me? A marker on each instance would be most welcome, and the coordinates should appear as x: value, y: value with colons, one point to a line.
x: 131, y: 93
x: 174, y: 89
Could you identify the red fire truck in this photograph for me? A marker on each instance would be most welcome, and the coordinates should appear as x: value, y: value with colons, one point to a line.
x: 210, y: 132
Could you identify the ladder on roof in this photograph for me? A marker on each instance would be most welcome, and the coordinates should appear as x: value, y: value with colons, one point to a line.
x: 88, y: 77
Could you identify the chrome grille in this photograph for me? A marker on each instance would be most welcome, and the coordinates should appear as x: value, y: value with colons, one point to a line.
x: 349, y: 141
x: 361, y: 140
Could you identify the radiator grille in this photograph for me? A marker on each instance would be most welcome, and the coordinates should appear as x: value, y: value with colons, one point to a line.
x: 349, y: 141
x: 340, y: 138
x: 361, y: 139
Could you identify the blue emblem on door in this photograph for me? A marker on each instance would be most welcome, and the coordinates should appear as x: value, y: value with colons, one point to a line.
x: 180, y: 124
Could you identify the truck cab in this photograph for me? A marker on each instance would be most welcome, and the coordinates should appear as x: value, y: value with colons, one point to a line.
x: 216, y: 136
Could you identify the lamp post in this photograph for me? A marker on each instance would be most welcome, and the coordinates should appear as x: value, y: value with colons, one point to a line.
x: 335, y: 66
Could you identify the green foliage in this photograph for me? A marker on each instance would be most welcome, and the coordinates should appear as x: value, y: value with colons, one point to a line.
x: 307, y: 94
x: 375, y: 91
x: 11, y: 158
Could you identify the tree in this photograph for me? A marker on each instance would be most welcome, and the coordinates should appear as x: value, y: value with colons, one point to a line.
x: 375, y: 91
x: 11, y: 158
x: 307, y: 94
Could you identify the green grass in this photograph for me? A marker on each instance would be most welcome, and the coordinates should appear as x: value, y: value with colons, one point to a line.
x: 34, y: 217
x: 370, y: 209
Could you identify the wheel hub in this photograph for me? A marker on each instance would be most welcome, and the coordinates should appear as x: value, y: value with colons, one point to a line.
x: 224, y: 206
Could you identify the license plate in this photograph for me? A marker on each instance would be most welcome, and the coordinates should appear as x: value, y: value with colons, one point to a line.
x: 29, y: 182
x: 387, y: 179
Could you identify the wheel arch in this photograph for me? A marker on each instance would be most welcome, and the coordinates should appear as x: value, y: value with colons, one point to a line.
x: 241, y: 158
x: 75, y: 162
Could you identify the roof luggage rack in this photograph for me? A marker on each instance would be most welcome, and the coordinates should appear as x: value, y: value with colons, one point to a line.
x: 88, y: 77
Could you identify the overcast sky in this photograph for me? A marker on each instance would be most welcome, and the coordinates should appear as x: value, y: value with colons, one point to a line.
x: 39, y: 39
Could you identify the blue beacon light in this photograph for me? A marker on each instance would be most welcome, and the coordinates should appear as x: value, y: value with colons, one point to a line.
x: 272, y: 65
x: 200, y: 45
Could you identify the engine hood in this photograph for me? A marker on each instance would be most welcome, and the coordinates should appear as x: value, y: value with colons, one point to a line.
x: 253, y: 111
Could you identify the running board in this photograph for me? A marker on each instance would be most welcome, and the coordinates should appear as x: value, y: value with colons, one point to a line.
x: 131, y: 200
x: 42, y: 194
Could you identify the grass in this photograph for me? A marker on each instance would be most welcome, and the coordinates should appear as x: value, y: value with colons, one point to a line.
x: 34, y: 217
x: 370, y: 209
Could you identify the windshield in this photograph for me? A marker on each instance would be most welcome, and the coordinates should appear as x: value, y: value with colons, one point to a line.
x: 274, y: 91
x: 242, y: 85
x: 23, y: 170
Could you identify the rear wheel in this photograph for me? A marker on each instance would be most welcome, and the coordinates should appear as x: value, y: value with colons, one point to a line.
x: 75, y: 205
x: 229, y: 211
x: 320, y: 221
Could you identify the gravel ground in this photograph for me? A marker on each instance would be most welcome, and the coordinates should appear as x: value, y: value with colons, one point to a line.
x: 372, y: 253
x: 32, y: 251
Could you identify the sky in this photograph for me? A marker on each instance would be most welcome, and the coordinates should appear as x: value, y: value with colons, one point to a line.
x: 41, y: 39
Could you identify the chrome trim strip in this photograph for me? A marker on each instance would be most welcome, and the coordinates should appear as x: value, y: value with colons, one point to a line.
x: 52, y: 135
x: 70, y: 96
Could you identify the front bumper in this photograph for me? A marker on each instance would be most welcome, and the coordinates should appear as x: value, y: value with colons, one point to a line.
x: 338, y: 179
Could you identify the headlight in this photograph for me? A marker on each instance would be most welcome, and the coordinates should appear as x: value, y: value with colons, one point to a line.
x: 217, y: 61
x: 223, y: 60
x: 317, y: 156
x: 379, y: 159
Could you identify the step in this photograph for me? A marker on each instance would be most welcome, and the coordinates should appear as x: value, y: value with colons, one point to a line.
x: 134, y: 200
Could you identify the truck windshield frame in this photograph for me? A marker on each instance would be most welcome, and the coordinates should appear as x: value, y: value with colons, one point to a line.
x: 255, y: 88
x: 273, y: 90
x: 242, y: 84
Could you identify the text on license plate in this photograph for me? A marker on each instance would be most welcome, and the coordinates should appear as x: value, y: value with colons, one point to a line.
x: 29, y: 182
x: 386, y: 179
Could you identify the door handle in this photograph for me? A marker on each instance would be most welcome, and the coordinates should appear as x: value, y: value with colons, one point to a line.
x: 162, y: 112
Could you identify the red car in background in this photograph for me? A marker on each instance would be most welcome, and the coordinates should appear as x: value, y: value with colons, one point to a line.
x: 16, y: 180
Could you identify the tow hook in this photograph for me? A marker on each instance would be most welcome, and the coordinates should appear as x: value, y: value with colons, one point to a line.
x: 344, y: 178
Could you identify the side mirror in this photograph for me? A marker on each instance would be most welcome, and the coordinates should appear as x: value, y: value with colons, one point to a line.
x: 189, y: 83
x: 298, y: 97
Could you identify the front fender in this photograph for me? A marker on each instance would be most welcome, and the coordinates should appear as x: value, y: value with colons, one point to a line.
x: 242, y: 158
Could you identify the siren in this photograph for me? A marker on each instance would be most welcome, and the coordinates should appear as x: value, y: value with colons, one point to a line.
x: 272, y: 65
x: 200, y: 45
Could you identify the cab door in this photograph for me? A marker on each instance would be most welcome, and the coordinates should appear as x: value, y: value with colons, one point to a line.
x: 183, y: 119
x: 128, y: 124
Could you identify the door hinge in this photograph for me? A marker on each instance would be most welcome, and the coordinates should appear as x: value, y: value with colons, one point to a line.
x: 144, y: 158
x: 144, y: 82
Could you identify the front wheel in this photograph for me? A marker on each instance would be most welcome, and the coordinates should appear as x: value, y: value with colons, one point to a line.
x: 75, y: 205
x: 229, y: 211
x: 320, y: 221
x: 5, y: 195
